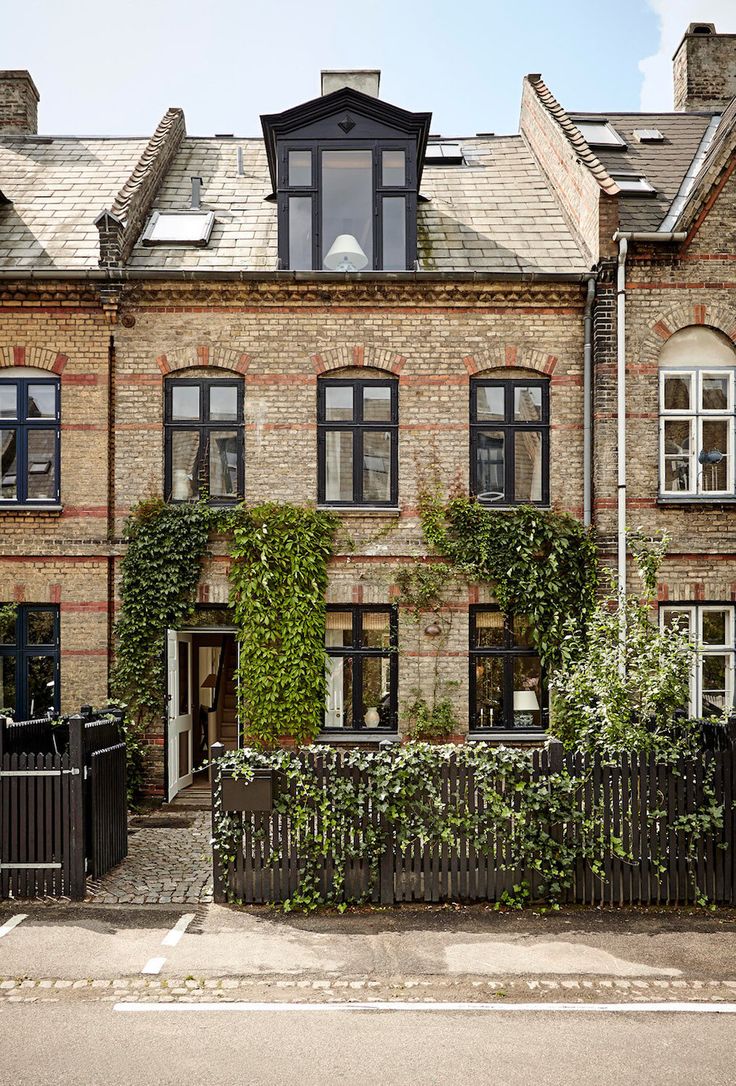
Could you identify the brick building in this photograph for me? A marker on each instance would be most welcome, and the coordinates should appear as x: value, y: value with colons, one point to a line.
x: 334, y: 311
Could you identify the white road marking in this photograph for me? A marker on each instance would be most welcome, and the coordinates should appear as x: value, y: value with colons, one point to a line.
x: 176, y: 933
x: 153, y: 965
x: 12, y: 923
x: 378, y: 1005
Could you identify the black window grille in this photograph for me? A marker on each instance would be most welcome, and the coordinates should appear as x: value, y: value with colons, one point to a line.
x: 361, y: 668
x: 204, y: 440
x: 29, y: 661
x: 507, y: 687
x: 357, y: 442
x: 509, y: 442
x: 30, y: 441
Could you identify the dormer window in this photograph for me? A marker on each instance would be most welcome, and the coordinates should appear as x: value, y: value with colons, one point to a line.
x: 346, y: 178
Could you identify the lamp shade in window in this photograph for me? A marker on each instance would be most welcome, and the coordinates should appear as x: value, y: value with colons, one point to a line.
x: 345, y: 255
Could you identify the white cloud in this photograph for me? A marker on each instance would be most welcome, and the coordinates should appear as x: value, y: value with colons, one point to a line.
x: 674, y: 18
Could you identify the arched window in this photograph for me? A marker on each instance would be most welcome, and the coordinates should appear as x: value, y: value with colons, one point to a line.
x: 203, y: 421
x: 509, y: 441
x: 696, y: 458
x: 29, y: 437
x: 358, y: 441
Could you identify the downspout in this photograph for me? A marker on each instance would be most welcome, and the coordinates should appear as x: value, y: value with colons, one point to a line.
x: 588, y: 404
x: 621, y: 409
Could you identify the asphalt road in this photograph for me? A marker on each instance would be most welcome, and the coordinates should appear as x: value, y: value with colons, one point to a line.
x: 85, y: 1044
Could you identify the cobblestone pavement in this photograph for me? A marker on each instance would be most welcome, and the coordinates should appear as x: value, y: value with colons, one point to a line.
x: 169, y: 862
x: 343, y: 989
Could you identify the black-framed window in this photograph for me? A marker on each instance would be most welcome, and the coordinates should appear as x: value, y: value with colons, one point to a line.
x: 348, y: 205
x: 30, y: 441
x: 361, y: 668
x: 509, y: 441
x: 507, y: 686
x: 29, y: 662
x: 357, y: 437
x: 204, y: 439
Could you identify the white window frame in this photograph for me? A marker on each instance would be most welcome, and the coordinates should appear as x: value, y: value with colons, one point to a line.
x: 696, y: 415
x: 695, y: 613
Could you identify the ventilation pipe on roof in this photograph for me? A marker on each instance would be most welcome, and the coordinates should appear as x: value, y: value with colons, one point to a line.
x: 588, y: 404
x: 196, y: 193
x: 623, y: 246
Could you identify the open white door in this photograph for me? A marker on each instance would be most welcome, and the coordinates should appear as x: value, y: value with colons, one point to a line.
x: 180, y: 724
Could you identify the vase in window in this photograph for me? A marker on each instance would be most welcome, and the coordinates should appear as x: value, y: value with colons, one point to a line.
x: 372, y: 717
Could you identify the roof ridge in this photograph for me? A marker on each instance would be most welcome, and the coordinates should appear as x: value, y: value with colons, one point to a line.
x: 172, y: 120
x: 574, y: 135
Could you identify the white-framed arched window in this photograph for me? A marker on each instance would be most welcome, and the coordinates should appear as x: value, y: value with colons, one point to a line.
x: 697, y: 408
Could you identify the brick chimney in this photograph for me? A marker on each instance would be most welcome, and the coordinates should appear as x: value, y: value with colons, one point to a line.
x: 18, y: 102
x: 366, y: 80
x: 704, y: 69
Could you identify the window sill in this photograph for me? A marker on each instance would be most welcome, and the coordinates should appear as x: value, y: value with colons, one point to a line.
x: 362, y: 510
x: 500, y: 736
x: 31, y: 508
x: 507, y: 508
x: 357, y: 735
x: 698, y: 500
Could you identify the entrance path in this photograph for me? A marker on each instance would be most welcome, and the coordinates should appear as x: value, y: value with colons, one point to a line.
x: 169, y: 862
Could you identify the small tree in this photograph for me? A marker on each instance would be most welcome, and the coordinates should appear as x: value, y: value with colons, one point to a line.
x: 620, y: 685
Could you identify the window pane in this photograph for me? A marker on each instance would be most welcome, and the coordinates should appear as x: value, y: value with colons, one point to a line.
x: 185, y: 402
x: 8, y: 465
x: 715, y: 627
x: 300, y: 233
x: 41, y: 628
x: 489, y: 466
x: 376, y: 690
x: 677, y: 459
x: 522, y: 631
x: 489, y: 692
x: 715, y: 393
x: 347, y: 210
x: 528, y: 467
x: 677, y: 619
x: 528, y: 404
x: 300, y: 167
x: 338, y: 466
x: 394, y: 233
x: 7, y: 684
x: 41, y: 483
x: 223, y: 403
x: 527, y: 692
x: 338, y: 403
x: 677, y: 393
x: 339, y: 629
x: 714, y: 475
x: 41, y: 402
x: 376, y: 466
x: 223, y: 464
x: 393, y: 168
x: 184, y: 450
x: 377, y: 404
x: 490, y: 630
x: 40, y: 685
x: 8, y: 628
x: 489, y: 404
x: 714, y: 684
x: 376, y: 629
x: 339, y: 698
x: 8, y: 401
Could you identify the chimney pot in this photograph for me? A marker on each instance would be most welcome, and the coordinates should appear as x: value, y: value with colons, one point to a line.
x: 366, y: 80
x: 18, y: 102
x: 704, y: 69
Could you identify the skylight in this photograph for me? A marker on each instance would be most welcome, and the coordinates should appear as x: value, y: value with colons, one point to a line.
x: 444, y: 154
x: 599, y: 133
x: 633, y: 182
x: 179, y: 228
x: 648, y: 135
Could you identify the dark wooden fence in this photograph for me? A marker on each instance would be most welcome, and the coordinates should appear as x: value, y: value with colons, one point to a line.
x: 63, y: 809
x: 638, y: 803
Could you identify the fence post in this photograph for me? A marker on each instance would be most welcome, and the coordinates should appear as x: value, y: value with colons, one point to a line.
x: 3, y: 725
x: 555, y: 750
x: 218, y: 883
x: 388, y: 861
x: 77, y: 873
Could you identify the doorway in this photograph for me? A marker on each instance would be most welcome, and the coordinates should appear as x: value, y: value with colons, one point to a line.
x: 202, y: 701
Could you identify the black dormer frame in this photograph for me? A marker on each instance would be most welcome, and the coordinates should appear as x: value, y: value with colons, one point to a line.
x: 346, y: 120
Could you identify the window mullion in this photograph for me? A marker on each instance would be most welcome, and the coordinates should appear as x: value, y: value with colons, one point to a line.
x: 358, y: 464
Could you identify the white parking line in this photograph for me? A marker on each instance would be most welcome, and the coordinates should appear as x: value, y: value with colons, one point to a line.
x: 176, y: 933
x: 12, y: 923
x: 153, y: 965
x: 503, y: 1008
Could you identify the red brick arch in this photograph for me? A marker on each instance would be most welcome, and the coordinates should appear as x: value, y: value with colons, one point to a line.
x: 42, y: 358
x: 715, y: 315
x: 193, y: 356
x: 337, y: 358
x: 511, y: 355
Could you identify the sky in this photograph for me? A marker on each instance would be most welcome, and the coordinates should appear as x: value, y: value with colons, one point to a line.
x: 114, y: 69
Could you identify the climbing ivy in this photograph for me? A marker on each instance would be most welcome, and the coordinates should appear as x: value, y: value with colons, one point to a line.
x: 278, y: 577
x: 539, y: 563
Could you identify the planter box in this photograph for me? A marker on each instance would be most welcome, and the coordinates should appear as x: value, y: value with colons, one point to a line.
x: 254, y: 795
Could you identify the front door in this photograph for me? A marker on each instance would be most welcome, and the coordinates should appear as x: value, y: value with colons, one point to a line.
x: 181, y: 712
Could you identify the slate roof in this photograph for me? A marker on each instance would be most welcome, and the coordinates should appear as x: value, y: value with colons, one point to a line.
x: 57, y: 187
x: 663, y: 164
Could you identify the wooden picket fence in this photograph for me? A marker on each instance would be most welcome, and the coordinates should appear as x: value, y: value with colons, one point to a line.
x: 637, y: 802
x: 63, y: 809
